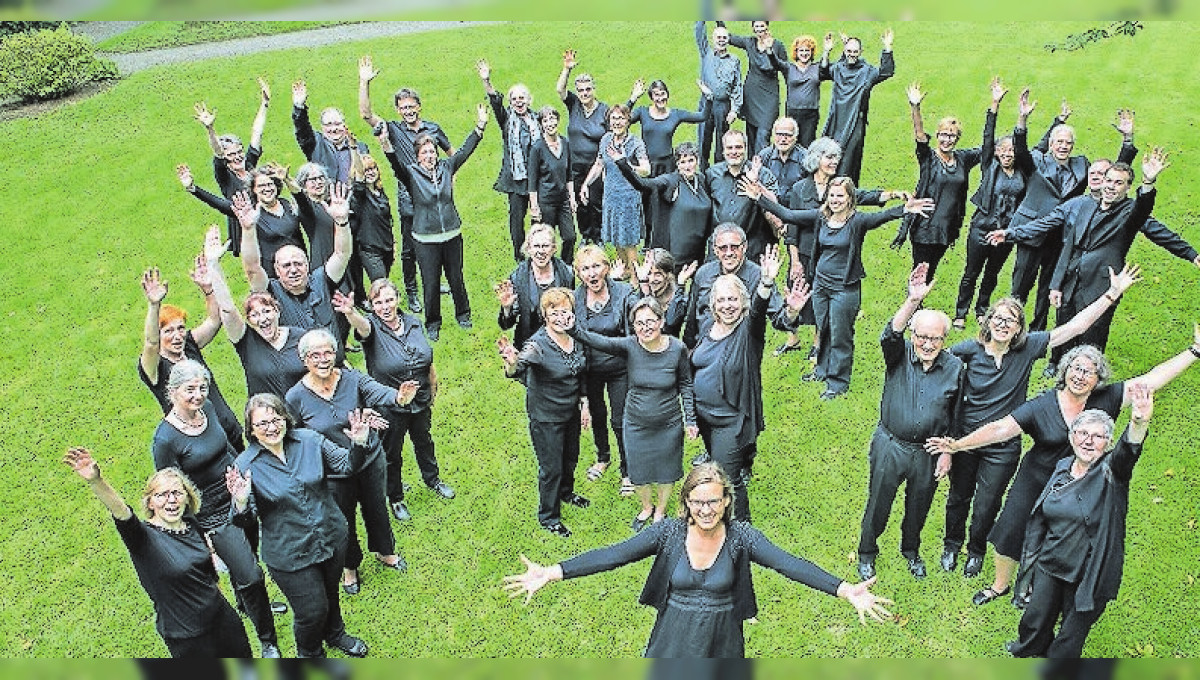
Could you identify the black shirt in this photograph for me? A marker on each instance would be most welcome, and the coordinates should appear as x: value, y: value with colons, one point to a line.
x: 371, y: 219
x: 611, y: 320
x: 917, y: 404
x: 549, y: 173
x: 203, y: 458
x: 354, y: 390
x: 269, y: 369
x: 311, y: 309
x: 191, y: 350
x: 553, y: 378
x: 394, y: 358
x: 991, y: 393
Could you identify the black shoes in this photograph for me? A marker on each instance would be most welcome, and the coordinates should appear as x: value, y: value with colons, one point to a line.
x: 465, y: 324
x: 414, y: 301
x: 988, y: 594
x: 949, y: 560
x: 443, y: 489
x: 577, y: 500
x: 270, y: 650
x: 812, y: 376
x: 639, y: 523
x: 400, y: 511
x: 352, y: 588
x: 916, y: 567
x: 1050, y: 370
x: 399, y: 565
x: 866, y: 569
x: 830, y: 395
x: 973, y: 566
x: 1021, y: 600
x: 349, y: 645
x: 558, y: 529
x: 433, y: 333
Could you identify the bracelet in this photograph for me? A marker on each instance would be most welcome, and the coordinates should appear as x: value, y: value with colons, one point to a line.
x: 206, y: 292
x: 1195, y: 351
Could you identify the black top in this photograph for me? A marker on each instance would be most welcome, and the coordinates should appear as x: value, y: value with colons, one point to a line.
x: 230, y: 184
x: 805, y: 195
x: 371, y: 219
x: 992, y: 392
x: 917, y: 404
x: 354, y: 390
x: 947, y: 186
x: 176, y: 571
x: 549, y: 173
x: 658, y: 133
x: 526, y: 315
x: 786, y: 171
x: 760, y: 92
x: 313, y: 308
x: 203, y: 458
x: 1042, y: 419
x: 317, y: 224
x: 730, y: 206
x: 657, y: 380
x: 269, y: 369
x: 553, y: 378
x: 509, y: 122
x: 741, y: 365
x: 850, y: 97
x: 191, y: 350
x: 611, y: 320
x: 394, y: 358
x: 709, y: 367
x: 858, y: 225
x: 435, y: 217
x: 689, y: 215
x: 749, y: 273
x: 302, y: 525
x: 402, y: 138
x: 277, y: 231
x: 998, y: 194
x: 320, y: 150
x: 584, y: 132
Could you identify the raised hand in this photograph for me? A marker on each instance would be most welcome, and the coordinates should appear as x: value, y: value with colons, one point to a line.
x: 865, y: 602
x: 366, y: 70
x: 686, y: 273
x: 1154, y: 163
x: 1121, y: 282
x: 769, y: 264
x: 184, y: 173
x: 915, y: 95
x: 238, y: 486
x: 481, y: 116
x: 535, y: 577
x: 919, y: 206
x: 339, y: 202
x: 1024, y: 106
x: 639, y: 89
x: 264, y: 91
x: 407, y: 392
x: 508, y: 351
x: 205, y: 115
x: 80, y: 460
x: 153, y: 286
x: 299, y: 94
x: 887, y: 38
x: 1064, y: 110
x: 998, y: 89
x: 484, y: 70
x: 359, y: 427
x: 617, y: 269
x: 200, y: 274
x: 749, y: 188
x: 245, y: 211
x: 918, y: 287
x: 643, y: 269
x: 1141, y: 399
x: 505, y: 293
x: 569, y: 61
x: 799, y: 293
x: 828, y: 41
x: 1124, y: 123
x: 342, y: 303
x: 214, y: 248
x: 754, y: 167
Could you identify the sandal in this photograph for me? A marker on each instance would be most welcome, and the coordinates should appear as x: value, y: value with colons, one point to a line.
x: 596, y: 471
x: 959, y: 324
x: 785, y: 348
x: 626, y: 487
x: 988, y: 594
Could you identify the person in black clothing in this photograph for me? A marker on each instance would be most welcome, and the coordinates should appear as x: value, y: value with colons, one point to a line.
x: 657, y: 279
x: 700, y: 581
x: 853, y: 80
x: 551, y: 190
x: 397, y: 352
x: 687, y: 210
x: 588, y: 121
x: 765, y: 56
x: 189, y: 438
x: 282, y: 479
x: 519, y: 129
x: 329, y: 148
x: 520, y: 294
x: 552, y: 365
x: 371, y: 227
x: 172, y: 562
x: 167, y: 341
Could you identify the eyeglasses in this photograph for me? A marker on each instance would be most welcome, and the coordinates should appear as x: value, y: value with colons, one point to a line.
x: 1004, y: 321
x: 784, y: 133
x: 315, y: 178
x: 702, y: 504
x: 175, y: 494
x: 264, y: 424
x: 646, y: 323
x: 322, y: 354
x: 935, y: 339
x: 1082, y: 371
x: 729, y: 247
x: 1084, y: 436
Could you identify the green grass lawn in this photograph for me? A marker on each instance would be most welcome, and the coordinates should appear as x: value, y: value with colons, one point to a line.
x: 93, y: 201
x: 158, y: 34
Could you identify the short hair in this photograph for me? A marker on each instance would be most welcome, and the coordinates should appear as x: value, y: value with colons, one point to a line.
x: 705, y: 473
x: 664, y: 261
x: 584, y: 78
x: 313, y: 339
x: 519, y: 88
x: 1095, y: 415
x: 950, y: 124
x: 260, y: 298
x: 229, y: 139
x: 728, y: 281
x: 1060, y: 130
x: 686, y: 149
x: 186, y: 371
x: 378, y: 286
x: 616, y: 108
x: 556, y: 297
x: 847, y: 184
x: 334, y: 110
x: 647, y: 302
x: 406, y: 93
x: 169, y: 314
x: 1017, y: 308
x: 548, y: 110
x: 263, y: 172
x: 423, y: 139
x: 1008, y: 139
x: 309, y: 171
x: 821, y: 147
x: 591, y: 253
x: 733, y: 133
x: 271, y: 401
x: 1092, y: 354
x: 729, y: 228
x: 804, y: 41
x: 659, y: 84
x: 853, y: 38
x: 535, y: 229
x: 935, y: 314
x: 164, y: 477
x: 787, y: 121
x: 1121, y: 166
x: 289, y: 248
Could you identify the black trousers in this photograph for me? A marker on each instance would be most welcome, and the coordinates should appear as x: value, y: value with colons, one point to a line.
x: 1052, y: 598
x: 712, y: 130
x: 931, y: 253
x: 408, y: 254
x: 518, y: 206
x: 894, y: 462
x: 418, y: 427
x: 757, y: 138
x: 657, y: 232
x: 981, y: 476
x: 617, y: 386
x: 807, y: 120
x: 1036, y: 265
x: 235, y: 550
x: 313, y: 593
x: 376, y: 264
x: 721, y: 437
x: 556, y: 446
x: 588, y: 215
x: 226, y: 637
x: 365, y: 489
x: 435, y: 258
x: 984, y: 260
x: 558, y: 214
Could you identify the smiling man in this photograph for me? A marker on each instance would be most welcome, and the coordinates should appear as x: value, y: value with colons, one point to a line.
x: 331, y: 146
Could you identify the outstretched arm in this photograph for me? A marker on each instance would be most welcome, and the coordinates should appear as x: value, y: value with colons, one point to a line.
x: 81, y: 462
x: 918, y: 288
x: 155, y: 289
x: 207, y: 330
x: 534, y: 579
x: 992, y: 433
x: 1160, y: 375
x: 568, y: 64
x: 1120, y: 283
x: 207, y: 117
x: 260, y: 118
x: 339, y: 210
x: 235, y: 326
x: 247, y: 215
x: 915, y: 96
x: 366, y: 73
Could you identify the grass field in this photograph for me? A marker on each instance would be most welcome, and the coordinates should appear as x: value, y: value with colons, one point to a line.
x: 159, y: 34
x: 93, y: 201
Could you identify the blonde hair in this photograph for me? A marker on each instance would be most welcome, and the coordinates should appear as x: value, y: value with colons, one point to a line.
x: 162, y: 478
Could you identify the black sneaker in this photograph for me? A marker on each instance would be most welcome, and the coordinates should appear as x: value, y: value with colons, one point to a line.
x: 577, y: 500
x: 433, y: 332
x: 558, y: 529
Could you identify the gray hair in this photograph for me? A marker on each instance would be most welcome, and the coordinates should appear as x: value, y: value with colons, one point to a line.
x: 1060, y: 130
x: 1103, y: 369
x: 1091, y: 416
x: 821, y: 147
x: 729, y: 228
x: 334, y: 110
x: 313, y: 339
x: 521, y: 88
x: 728, y: 281
x: 232, y: 140
x: 309, y: 170
x: 936, y: 314
x: 186, y: 371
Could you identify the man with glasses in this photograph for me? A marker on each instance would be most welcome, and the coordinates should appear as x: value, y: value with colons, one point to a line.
x: 921, y: 386
x: 331, y: 146
x: 784, y: 157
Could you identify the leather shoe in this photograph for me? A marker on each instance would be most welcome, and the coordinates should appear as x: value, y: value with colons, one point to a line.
x: 278, y: 608
x: 639, y: 523
x: 988, y: 594
x: 414, y: 302
x: 866, y: 570
x: 830, y: 395
x: 1011, y: 647
x: 443, y: 489
x: 270, y: 650
x: 812, y: 376
x: 352, y: 588
x: 1021, y: 601
x: 465, y: 324
x: 949, y: 560
x: 558, y: 529
x: 577, y: 500
x: 400, y: 511
x: 916, y: 567
x: 400, y: 564
x: 433, y: 333
x: 973, y: 566
x: 350, y: 646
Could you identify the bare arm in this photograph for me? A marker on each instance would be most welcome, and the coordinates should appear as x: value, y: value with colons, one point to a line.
x: 918, y: 288
x: 568, y: 64
x: 1084, y: 319
x: 251, y: 256
x: 260, y: 118
x: 81, y: 462
x: 207, y: 117
x: 1160, y: 375
x: 344, y: 304
x: 915, y: 96
x: 235, y: 327
x: 366, y: 73
x: 993, y: 433
x: 339, y: 210
x: 155, y: 289
x: 207, y: 330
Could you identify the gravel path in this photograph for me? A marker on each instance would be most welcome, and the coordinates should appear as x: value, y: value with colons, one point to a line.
x: 138, y: 61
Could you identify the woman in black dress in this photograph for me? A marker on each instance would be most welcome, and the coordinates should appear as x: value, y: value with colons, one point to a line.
x: 657, y: 279
x: 1075, y: 546
x: 659, y: 376
x: 521, y: 293
x: 172, y: 561
x: 1082, y: 377
x: 942, y: 178
x: 552, y: 366
x: 700, y: 581
x: 322, y: 401
x: 190, y: 439
x: 686, y: 216
x: 397, y: 352
x: 551, y: 190
x: 765, y: 56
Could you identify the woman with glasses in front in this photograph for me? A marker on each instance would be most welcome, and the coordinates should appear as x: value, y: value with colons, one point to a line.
x: 1083, y: 375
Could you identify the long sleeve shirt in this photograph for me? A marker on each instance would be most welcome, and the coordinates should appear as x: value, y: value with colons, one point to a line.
x: 722, y: 73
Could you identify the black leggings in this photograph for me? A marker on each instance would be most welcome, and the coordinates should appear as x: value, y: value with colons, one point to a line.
x: 236, y: 550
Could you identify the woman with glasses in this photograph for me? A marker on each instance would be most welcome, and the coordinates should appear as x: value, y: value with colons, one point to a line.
x: 1083, y: 375
x: 998, y: 363
x: 172, y: 561
x: 700, y: 581
x: 520, y: 294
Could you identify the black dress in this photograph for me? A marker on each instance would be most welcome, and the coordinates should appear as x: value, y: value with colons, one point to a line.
x: 698, y: 621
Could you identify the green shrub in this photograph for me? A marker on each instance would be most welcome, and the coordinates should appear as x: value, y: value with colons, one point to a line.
x: 49, y: 63
x: 10, y: 27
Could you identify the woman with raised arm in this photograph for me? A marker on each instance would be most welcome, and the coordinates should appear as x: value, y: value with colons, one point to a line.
x: 311, y: 193
x: 587, y: 123
x: 727, y: 367
x: 437, y: 227
x: 521, y: 293
x: 686, y: 221
x: 657, y: 279
x: 551, y: 189
x: 700, y: 580
x: 166, y: 341
x: 998, y: 365
x: 841, y: 231
x: 172, y: 561
x: 765, y: 56
x: 622, y: 220
x: 189, y: 439
x: 519, y: 129
x: 943, y: 179
x: 1081, y: 385
x: 282, y: 479
x: 398, y: 353
x: 803, y: 78
x: 371, y: 224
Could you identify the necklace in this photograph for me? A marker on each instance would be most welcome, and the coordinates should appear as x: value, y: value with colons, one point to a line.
x: 199, y: 422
